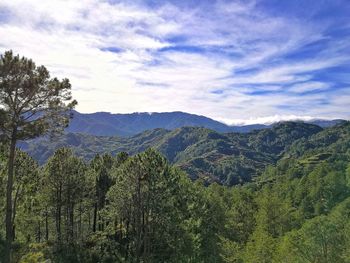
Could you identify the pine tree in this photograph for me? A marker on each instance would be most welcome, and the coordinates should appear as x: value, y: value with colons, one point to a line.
x: 31, y: 104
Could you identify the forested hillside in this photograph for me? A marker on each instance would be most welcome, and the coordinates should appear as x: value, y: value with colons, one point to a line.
x: 141, y: 209
x: 230, y: 158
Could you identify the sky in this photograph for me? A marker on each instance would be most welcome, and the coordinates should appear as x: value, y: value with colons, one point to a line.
x: 239, y: 62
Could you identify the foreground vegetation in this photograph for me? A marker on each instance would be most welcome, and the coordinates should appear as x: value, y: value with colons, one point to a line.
x: 141, y: 209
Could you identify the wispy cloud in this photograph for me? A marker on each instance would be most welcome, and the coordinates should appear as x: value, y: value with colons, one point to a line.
x: 238, y: 61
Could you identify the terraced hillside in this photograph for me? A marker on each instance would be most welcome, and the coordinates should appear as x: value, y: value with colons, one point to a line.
x: 227, y: 158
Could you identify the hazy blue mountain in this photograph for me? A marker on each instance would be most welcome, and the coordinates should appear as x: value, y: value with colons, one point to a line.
x: 326, y: 123
x: 107, y: 124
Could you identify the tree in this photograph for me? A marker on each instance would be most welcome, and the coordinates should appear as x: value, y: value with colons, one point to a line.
x: 26, y: 178
x: 145, y: 206
x: 319, y: 240
x: 101, y: 166
x: 240, y: 223
x: 66, y: 187
x: 272, y: 221
x: 31, y: 104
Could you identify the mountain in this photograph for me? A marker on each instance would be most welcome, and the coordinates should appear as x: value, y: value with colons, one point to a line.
x: 326, y: 123
x: 107, y: 124
x: 227, y: 158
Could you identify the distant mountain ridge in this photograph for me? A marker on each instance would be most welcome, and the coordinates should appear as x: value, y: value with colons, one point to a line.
x: 227, y: 158
x: 108, y: 124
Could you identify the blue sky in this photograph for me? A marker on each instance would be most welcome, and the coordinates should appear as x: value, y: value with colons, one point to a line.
x: 234, y: 61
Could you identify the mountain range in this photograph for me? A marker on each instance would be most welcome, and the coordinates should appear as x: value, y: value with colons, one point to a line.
x: 108, y: 124
x: 227, y: 158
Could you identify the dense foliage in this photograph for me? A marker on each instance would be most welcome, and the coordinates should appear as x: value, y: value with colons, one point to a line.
x: 229, y: 159
x: 141, y: 209
x: 31, y: 104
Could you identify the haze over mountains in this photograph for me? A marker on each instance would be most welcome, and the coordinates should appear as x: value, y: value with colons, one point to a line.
x: 107, y: 124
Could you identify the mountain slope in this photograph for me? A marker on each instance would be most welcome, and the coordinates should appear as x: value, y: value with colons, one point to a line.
x: 333, y: 140
x: 227, y: 158
x: 107, y: 124
x: 235, y: 158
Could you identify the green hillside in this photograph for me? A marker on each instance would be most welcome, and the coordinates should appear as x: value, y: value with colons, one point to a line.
x: 227, y: 158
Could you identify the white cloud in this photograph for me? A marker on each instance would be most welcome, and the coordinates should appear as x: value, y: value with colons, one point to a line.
x: 72, y: 39
x: 309, y: 86
x: 273, y: 119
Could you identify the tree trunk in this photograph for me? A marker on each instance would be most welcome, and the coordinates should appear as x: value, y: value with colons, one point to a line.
x: 138, y: 220
x: 14, y: 212
x: 71, y: 222
x: 67, y: 224
x: 8, y: 220
x: 95, y: 218
x: 46, y: 225
x: 58, y: 214
x: 79, y: 233
x: 39, y: 232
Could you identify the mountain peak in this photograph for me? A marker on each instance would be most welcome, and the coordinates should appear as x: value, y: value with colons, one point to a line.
x: 130, y: 124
